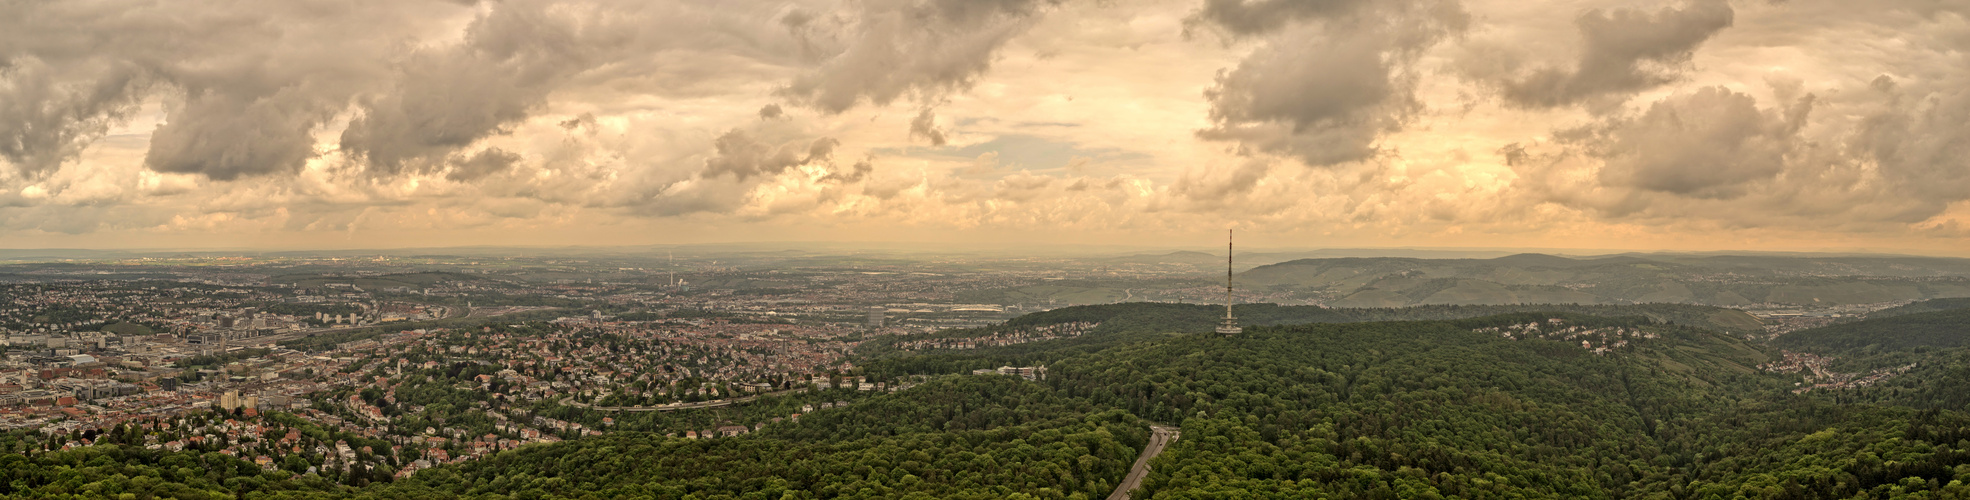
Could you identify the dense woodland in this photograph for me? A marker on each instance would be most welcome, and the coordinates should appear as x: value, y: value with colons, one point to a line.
x: 1122, y: 324
x: 969, y: 437
x: 1430, y: 402
x: 1946, y: 328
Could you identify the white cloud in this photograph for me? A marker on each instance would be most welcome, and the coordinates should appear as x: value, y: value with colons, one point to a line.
x: 1482, y: 123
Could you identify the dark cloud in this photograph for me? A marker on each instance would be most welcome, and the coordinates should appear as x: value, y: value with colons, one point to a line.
x: 1325, y: 92
x: 66, y: 219
x: 1223, y: 187
x: 246, y: 88
x: 741, y: 156
x: 893, y: 48
x: 1623, y: 51
x: 859, y: 171
x: 925, y: 126
x: 1709, y: 143
x: 1324, y: 106
x: 1023, y: 187
x: 486, y: 162
x: 450, y: 98
x: 771, y: 112
x: 796, y: 19
x: 1257, y: 17
x: 225, y: 135
x: 1864, y: 157
x: 584, y: 121
x: 244, y: 85
x: 45, y: 122
x: 1919, y: 139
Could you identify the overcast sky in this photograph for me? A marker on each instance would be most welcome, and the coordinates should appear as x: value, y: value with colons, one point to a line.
x: 1689, y: 125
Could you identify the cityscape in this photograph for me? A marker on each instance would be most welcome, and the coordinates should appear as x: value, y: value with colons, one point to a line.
x: 985, y: 249
x: 369, y: 369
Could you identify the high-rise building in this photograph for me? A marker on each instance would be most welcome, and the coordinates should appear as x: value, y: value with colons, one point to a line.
x: 875, y: 316
x: 1230, y: 325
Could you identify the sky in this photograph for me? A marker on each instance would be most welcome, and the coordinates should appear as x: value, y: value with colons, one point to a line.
x: 1788, y: 125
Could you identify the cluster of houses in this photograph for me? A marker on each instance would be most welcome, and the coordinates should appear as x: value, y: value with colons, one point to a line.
x: 1600, y: 341
x: 1002, y: 337
x: 1819, y: 374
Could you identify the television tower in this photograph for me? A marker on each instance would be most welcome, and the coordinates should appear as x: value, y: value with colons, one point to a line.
x: 1230, y: 325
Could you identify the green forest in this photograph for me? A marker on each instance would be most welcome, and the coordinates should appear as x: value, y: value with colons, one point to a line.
x: 1648, y: 402
x: 1948, y: 328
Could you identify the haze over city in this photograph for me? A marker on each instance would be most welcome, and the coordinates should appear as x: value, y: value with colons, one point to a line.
x: 1806, y: 125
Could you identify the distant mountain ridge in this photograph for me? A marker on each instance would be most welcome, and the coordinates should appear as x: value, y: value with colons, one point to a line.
x: 1945, y: 326
x: 1728, y: 280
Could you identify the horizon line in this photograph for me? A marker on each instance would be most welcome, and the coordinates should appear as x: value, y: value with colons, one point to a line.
x: 1052, y: 248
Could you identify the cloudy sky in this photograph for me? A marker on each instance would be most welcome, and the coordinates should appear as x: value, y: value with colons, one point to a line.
x: 1682, y: 125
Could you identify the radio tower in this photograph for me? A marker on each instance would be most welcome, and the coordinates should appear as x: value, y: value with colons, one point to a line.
x: 1230, y: 325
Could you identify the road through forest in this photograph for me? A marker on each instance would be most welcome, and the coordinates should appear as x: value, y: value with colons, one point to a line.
x: 1159, y: 437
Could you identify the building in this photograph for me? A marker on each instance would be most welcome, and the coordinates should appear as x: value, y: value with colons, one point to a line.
x: 876, y: 316
x: 89, y: 389
x: 1229, y: 327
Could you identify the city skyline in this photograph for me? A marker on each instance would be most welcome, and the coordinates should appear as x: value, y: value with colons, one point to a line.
x: 1681, y: 126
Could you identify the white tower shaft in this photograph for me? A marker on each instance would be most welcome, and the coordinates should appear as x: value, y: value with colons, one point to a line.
x: 1230, y: 325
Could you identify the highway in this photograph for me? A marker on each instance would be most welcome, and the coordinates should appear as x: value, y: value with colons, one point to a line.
x: 1159, y: 437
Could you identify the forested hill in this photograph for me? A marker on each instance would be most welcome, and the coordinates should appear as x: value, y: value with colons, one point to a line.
x: 1641, y: 278
x: 964, y: 438
x: 1948, y: 328
x: 1137, y: 321
x: 1454, y: 409
x: 1915, y: 356
x: 1931, y: 305
x: 1523, y: 405
x: 982, y: 438
x: 1196, y: 317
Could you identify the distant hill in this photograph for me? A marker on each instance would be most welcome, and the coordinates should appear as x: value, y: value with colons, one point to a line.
x: 1622, y: 279
x: 1204, y: 261
x: 1922, y: 307
x: 1198, y: 260
x: 1132, y: 322
x: 1881, y: 265
x: 1937, y: 329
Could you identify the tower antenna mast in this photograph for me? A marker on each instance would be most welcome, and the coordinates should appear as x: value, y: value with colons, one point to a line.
x: 1230, y: 325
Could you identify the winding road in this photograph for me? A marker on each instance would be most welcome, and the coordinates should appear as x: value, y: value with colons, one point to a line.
x: 1159, y: 437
